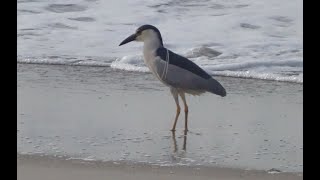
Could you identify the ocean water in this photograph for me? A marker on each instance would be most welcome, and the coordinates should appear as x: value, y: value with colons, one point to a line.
x: 239, y: 38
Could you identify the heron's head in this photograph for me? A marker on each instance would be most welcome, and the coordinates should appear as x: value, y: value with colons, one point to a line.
x: 145, y: 33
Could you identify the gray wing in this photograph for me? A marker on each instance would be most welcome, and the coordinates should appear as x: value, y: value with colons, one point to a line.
x: 185, y: 74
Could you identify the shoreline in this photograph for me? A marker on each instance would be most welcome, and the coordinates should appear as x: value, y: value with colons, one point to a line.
x: 108, y: 66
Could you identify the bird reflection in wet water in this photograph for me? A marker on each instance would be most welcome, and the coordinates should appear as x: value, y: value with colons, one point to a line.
x: 176, y: 155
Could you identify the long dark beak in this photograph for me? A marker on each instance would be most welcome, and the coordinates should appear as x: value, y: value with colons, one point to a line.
x: 129, y: 39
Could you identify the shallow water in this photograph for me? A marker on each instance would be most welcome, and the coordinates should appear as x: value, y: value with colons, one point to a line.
x: 97, y: 113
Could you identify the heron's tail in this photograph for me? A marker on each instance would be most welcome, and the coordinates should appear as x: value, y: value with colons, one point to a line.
x: 216, y: 88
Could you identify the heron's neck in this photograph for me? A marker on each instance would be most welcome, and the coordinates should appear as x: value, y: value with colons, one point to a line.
x: 151, y: 45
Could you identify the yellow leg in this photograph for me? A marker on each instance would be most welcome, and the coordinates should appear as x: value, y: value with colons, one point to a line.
x: 176, y: 119
x: 176, y: 99
x: 186, y: 110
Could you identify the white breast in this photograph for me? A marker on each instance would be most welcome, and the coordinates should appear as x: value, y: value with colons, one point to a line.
x: 151, y: 44
x: 155, y: 64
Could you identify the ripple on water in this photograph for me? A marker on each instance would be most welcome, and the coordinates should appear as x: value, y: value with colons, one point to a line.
x: 62, y: 8
x: 83, y: 19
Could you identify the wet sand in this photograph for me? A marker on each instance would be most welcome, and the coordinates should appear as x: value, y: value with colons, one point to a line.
x: 101, y: 114
x: 31, y: 168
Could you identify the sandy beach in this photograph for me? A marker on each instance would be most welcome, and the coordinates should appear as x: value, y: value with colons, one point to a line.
x: 77, y: 122
x: 90, y: 109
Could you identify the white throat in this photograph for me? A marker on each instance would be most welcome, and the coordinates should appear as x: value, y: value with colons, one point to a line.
x: 150, y: 47
x: 151, y: 44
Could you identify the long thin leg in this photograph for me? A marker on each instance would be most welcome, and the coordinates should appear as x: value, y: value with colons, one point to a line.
x: 176, y: 99
x: 186, y: 110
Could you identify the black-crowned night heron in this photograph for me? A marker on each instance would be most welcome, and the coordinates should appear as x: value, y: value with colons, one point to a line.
x: 180, y: 74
